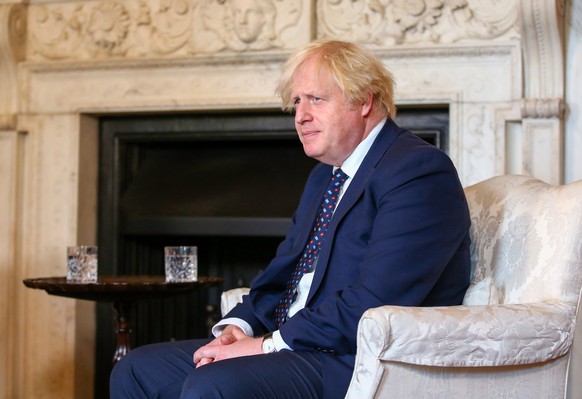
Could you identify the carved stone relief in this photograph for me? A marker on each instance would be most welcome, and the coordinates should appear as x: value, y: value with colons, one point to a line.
x: 393, y: 22
x: 116, y: 28
x: 241, y: 25
x: 12, y: 45
x: 154, y: 28
x: 542, y: 108
x: 17, y: 31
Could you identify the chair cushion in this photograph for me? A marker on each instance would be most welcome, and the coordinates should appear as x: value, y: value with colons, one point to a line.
x: 526, y: 241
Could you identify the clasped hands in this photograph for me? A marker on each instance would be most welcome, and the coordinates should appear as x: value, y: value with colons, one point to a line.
x: 230, y: 344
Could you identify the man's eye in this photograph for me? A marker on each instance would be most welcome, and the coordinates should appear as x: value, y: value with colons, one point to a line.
x: 316, y: 99
x: 296, y: 101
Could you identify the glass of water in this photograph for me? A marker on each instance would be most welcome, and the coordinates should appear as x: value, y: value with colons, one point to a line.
x: 181, y: 264
x: 82, y: 264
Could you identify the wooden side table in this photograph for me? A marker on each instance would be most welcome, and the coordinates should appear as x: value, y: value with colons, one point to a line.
x: 122, y: 292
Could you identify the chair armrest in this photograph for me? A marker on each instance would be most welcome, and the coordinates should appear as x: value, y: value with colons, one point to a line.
x: 230, y: 298
x: 466, y: 336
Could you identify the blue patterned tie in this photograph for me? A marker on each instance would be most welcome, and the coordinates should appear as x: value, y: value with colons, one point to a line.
x: 305, y: 264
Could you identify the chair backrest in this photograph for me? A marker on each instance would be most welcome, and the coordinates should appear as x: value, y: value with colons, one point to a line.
x: 526, y: 241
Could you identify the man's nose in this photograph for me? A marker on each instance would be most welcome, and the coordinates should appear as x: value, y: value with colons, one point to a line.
x: 302, y: 113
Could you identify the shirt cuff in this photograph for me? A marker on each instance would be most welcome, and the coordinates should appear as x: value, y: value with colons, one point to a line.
x: 240, y: 323
x: 246, y: 328
x: 279, y: 342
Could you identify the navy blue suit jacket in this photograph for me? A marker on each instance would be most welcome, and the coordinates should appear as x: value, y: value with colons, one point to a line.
x: 399, y: 236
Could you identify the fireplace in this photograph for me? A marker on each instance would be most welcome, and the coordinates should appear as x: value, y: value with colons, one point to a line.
x: 206, y: 179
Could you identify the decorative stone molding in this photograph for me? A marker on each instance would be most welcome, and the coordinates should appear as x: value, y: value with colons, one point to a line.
x: 12, y: 50
x: 164, y: 28
x: 543, y: 54
x: 16, y: 25
x: 542, y: 108
x: 387, y: 23
x: 543, y: 48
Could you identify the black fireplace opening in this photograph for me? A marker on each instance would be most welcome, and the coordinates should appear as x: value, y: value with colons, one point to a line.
x: 227, y: 182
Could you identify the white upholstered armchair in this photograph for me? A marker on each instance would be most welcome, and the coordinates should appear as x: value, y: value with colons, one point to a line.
x: 513, y: 336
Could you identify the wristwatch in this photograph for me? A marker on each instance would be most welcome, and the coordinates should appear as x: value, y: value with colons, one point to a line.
x: 268, y: 344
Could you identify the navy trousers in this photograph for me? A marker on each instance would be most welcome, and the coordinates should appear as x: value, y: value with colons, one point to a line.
x: 167, y: 371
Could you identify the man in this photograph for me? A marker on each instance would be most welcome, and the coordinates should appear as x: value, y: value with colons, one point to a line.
x: 393, y: 229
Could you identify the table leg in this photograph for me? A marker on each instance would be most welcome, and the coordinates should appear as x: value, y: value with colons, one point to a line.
x: 123, y: 329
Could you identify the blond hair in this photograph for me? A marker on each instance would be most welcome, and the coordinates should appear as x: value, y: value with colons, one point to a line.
x: 355, y: 70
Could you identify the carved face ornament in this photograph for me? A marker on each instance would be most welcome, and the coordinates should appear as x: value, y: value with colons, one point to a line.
x: 249, y: 19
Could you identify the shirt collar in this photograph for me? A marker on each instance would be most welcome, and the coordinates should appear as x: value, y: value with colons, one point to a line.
x: 353, y: 162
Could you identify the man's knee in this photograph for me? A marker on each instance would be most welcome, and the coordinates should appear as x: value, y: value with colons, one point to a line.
x: 134, y: 375
x: 122, y: 379
x: 206, y: 382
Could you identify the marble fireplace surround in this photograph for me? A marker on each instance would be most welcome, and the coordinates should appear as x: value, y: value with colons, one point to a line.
x: 497, y: 67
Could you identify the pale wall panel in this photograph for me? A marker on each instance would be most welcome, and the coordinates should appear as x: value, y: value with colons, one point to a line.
x: 47, y: 335
x: 10, y: 171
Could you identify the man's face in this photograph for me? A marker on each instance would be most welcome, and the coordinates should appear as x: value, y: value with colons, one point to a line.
x: 329, y: 128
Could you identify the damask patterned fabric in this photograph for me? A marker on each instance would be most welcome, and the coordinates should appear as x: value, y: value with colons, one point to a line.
x: 518, y: 316
x: 527, y: 243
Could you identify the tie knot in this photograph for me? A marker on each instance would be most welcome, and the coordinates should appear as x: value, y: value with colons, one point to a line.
x: 339, y: 176
x: 331, y: 195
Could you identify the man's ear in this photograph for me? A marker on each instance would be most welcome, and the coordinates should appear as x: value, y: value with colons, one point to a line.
x: 367, y: 105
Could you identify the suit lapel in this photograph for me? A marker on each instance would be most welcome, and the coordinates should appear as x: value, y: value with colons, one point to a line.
x: 316, y: 189
x: 359, y: 182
